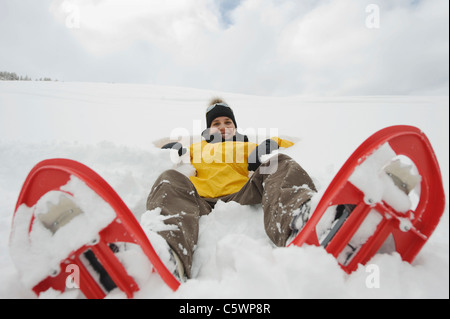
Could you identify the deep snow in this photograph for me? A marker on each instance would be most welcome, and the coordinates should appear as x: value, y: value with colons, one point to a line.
x: 113, y: 128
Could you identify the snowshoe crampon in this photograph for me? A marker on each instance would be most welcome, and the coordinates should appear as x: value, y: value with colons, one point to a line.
x: 387, y: 196
x: 70, y: 229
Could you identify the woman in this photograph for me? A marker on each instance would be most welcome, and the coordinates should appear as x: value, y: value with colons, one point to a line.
x: 222, y: 162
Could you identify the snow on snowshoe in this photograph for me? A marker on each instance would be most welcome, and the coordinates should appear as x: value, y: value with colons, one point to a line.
x: 387, y: 196
x: 72, y: 233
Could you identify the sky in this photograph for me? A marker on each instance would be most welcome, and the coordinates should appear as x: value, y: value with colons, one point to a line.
x: 260, y: 47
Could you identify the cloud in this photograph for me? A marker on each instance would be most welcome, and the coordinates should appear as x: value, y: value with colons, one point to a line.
x: 261, y: 46
x: 104, y: 27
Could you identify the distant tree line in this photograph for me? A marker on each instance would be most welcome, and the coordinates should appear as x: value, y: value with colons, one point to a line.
x: 11, y: 76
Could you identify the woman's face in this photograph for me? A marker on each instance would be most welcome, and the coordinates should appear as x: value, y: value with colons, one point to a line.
x: 223, y: 125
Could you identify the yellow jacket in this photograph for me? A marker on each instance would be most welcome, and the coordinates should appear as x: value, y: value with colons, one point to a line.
x: 222, y: 168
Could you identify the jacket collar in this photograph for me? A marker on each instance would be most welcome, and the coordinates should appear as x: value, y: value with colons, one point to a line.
x: 217, y: 137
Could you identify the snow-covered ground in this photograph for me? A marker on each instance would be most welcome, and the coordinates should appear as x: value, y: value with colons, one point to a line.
x: 114, y: 129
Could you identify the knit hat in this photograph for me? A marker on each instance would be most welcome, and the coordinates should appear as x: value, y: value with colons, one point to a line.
x: 218, y: 109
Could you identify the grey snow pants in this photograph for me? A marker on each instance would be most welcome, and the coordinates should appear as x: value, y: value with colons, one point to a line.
x: 280, y: 191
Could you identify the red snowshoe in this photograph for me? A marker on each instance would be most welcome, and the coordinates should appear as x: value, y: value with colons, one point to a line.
x: 376, y: 200
x: 68, y: 227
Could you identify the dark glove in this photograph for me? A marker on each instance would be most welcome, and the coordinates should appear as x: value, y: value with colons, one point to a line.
x: 175, y: 146
x: 266, y: 147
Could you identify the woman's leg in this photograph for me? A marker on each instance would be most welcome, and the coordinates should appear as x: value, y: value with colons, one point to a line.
x: 178, y: 199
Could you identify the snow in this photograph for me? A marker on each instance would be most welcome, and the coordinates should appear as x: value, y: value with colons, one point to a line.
x: 114, y: 129
x: 371, y: 179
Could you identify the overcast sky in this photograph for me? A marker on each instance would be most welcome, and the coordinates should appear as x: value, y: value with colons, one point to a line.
x: 264, y: 47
